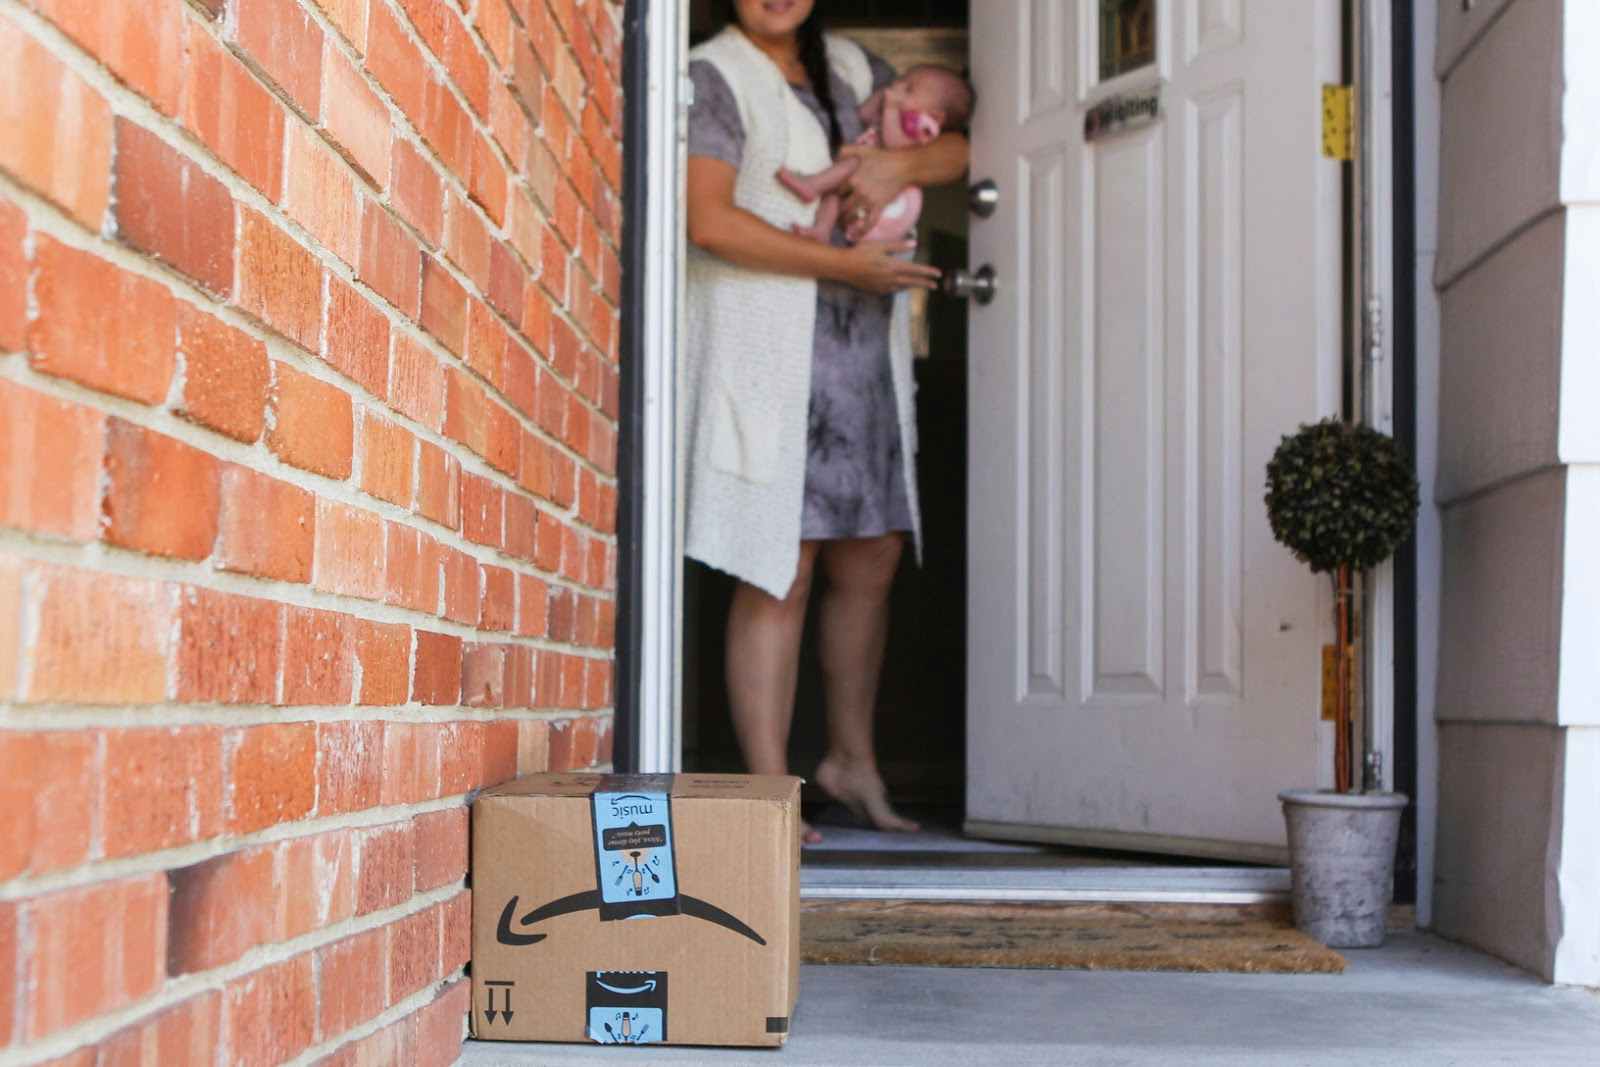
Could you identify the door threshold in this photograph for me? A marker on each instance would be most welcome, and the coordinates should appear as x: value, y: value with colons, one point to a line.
x: 1097, y: 885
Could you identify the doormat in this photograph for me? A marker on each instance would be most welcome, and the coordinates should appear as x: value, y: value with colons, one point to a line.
x: 1089, y: 937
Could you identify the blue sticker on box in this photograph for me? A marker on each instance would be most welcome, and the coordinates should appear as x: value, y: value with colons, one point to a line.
x: 626, y: 1007
x: 634, y: 862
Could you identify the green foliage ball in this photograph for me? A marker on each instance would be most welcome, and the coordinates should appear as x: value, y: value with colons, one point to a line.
x: 1339, y: 493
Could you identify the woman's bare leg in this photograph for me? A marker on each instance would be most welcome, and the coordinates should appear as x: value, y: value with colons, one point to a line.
x: 763, y: 651
x: 854, y: 631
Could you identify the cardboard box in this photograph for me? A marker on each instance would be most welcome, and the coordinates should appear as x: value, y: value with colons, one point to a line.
x: 634, y: 909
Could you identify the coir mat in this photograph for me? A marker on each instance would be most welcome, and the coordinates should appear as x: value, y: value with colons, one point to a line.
x: 1092, y: 937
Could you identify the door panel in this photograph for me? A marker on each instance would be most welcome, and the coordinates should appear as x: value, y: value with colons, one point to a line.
x: 1143, y: 659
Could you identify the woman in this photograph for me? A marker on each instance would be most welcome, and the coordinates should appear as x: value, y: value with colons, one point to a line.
x: 799, y: 380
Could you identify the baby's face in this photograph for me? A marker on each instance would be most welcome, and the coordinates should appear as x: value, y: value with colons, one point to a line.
x: 916, y: 110
x: 918, y: 105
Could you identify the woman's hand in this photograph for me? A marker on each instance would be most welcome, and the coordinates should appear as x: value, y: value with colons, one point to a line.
x: 876, y: 267
x: 879, y: 178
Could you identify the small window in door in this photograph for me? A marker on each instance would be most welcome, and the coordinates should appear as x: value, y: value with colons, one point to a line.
x: 1127, y: 36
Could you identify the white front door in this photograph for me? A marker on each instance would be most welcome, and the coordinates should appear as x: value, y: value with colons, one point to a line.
x: 1144, y: 660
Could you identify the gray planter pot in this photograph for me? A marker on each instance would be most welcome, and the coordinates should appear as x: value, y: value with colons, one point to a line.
x: 1341, y: 857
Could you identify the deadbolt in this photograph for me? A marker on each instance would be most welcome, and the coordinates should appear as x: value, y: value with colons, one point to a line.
x: 979, y: 285
x: 984, y: 198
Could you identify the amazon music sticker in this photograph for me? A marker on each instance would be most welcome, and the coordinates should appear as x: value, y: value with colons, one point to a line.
x: 627, y: 1007
x: 634, y: 863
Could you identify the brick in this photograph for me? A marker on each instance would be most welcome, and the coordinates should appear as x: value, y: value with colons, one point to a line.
x: 100, y: 639
x: 563, y: 614
x: 455, y: 933
x: 320, y: 194
x: 413, y: 953
x: 393, y: 1044
x: 401, y: 780
x: 499, y: 751
x: 388, y: 855
x: 499, y: 599
x: 395, y: 62
x: 55, y: 131
x: 49, y: 464
x: 318, y: 657
x: 355, y: 118
x: 350, y: 16
x: 189, y: 1032
x: 272, y: 776
x: 462, y: 592
x: 267, y: 526
x: 279, y: 282
x: 82, y: 965
x: 482, y: 510
x: 521, y: 380
x: 384, y: 652
x: 411, y: 568
x: 441, y: 854
x: 533, y: 606
x: 446, y: 126
x: 350, y: 981
x: 143, y: 48
x: 47, y: 789
x: 417, y: 192
x: 232, y: 114
x: 436, y: 678
x: 286, y: 43
x: 228, y: 648
x: 350, y: 552
x: 483, y: 676
x: 561, y: 738
x: 417, y: 383
x: 386, y: 459
x: 533, y: 747
x: 225, y: 375
x: 356, y: 340
x: 13, y: 277
x: 351, y: 766
x: 506, y: 280
x: 391, y: 261
x: 270, y: 1014
x: 504, y: 451
x: 220, y: 908
x: 604, y: 753
x: 466, y: 240
x: 163, y: 787
x: 440, y: 1026
x: 101, y: 326
x: 521, y: 520
x: 466, y: 416
x: 487, y: 182
x: 438, y: 485
x: 460, y: 757
x: 317, y: 880
x: 486, y: 344
x: 519, y: 677
x: 534, y: 471
x: 313, y: 423
x: 151, y: 177
x: 444, y: 306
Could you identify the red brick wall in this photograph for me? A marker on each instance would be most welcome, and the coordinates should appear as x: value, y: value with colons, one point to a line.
x: 308, y: 395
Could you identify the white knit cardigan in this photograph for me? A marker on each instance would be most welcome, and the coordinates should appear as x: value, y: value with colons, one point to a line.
x: 748, y: 357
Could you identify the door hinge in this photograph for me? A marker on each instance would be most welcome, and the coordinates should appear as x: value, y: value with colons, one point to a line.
x: 1339, y: 122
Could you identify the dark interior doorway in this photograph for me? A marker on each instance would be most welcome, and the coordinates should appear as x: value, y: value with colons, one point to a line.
x: 922, y: 713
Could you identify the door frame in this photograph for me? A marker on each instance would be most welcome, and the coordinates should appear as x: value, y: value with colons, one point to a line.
x: 648, y: 687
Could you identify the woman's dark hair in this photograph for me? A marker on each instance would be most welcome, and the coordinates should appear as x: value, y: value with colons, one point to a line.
x: 813, y: 56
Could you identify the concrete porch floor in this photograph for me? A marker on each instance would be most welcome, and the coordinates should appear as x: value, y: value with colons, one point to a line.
x: 1418, y: 1000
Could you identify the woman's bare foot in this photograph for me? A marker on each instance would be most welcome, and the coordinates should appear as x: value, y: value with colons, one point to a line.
x: 861, y: 789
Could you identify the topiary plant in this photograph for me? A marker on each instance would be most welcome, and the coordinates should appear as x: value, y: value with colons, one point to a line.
x: 1342, y: 498
x: 1340, y: 494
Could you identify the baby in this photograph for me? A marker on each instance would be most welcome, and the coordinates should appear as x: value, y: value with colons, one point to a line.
x: 909, y: 111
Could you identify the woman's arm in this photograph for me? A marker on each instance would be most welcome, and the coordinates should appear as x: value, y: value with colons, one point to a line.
x: 725, y: 230
x: 884, y: 174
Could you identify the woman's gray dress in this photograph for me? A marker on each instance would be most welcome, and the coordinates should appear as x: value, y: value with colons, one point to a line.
x: 854, y: 486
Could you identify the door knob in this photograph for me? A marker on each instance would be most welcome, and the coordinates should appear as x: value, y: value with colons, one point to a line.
x: 979, y: 285
x: 984, y: 198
